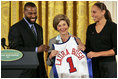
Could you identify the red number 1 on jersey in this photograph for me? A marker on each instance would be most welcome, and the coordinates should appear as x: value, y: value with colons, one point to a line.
x: 72, y: 68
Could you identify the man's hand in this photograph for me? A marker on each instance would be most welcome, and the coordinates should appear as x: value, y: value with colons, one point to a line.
x: 43, y: 48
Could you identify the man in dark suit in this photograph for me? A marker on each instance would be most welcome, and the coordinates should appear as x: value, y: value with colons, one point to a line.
x: 27, y: 35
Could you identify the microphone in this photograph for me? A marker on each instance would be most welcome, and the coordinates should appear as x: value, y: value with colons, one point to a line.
x: 3, y: 43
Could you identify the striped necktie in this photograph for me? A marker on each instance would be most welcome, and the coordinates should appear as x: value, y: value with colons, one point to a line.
x: 32, y: 28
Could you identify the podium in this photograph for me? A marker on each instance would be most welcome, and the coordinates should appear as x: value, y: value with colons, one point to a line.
x: 25, y: 67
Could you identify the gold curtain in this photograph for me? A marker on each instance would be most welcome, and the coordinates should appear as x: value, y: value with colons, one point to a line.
x: 79, y: 13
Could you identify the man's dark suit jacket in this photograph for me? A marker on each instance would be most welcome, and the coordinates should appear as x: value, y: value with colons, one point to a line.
x: 22, y: 38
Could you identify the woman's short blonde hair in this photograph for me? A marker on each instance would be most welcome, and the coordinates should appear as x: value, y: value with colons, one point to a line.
x: 58, y: 18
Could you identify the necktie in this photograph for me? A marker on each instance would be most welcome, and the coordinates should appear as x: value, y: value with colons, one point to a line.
x: 32, y: 28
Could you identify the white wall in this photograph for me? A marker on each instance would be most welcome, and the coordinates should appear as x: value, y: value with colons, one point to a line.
x: 112, y: 7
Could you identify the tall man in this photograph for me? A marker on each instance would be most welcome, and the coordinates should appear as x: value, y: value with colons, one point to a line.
x: 27, y: 35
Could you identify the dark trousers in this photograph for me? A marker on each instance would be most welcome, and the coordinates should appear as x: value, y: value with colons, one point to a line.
x: 103, y: 69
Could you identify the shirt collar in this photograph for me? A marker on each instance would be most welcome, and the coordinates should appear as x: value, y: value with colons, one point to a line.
x: 28, y: 22
x: 59, y: 38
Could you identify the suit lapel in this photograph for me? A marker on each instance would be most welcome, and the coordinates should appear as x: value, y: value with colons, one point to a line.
x: 37, y: 31
x: 29, y: 31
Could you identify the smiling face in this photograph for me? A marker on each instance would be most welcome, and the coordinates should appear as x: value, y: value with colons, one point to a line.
x: 31, y: 14
x: 97, y: 13
x: 62, y: 27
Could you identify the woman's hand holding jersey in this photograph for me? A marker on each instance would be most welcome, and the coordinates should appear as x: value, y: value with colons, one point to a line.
x: 53, y: 53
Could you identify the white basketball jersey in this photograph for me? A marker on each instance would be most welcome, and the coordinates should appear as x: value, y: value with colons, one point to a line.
x: 71, y: 62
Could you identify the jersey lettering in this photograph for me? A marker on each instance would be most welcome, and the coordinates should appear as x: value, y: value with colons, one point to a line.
x: 72, y: 68
x: 71, y: 62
